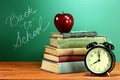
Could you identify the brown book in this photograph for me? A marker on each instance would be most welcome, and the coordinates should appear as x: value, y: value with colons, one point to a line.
x: 66, y: 51
x: 64, y: 58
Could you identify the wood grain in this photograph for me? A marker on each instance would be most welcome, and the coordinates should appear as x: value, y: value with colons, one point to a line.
x: 32, y: 71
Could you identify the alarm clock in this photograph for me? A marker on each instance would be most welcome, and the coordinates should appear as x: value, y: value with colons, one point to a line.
x: 100, y: 59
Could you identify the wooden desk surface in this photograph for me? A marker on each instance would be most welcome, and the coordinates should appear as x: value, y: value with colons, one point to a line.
x: 31, y: 71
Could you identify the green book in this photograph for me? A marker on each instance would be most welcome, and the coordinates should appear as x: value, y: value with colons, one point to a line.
x: 75, y: 42
x: 63, y: 67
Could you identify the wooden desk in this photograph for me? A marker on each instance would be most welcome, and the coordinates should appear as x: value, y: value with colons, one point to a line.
x: 31, y: 71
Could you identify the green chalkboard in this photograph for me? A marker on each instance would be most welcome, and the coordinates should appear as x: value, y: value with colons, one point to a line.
x: 26, y: 25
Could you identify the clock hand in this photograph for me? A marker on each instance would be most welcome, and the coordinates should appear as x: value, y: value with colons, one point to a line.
x: 97, y: 61
x: 98, y: 54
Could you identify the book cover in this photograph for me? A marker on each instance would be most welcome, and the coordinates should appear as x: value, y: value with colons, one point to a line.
x: 63, y: 67
x: 75, y: 34
x: 64, y: 58
x: 65, y: 51
x: 75, y: 42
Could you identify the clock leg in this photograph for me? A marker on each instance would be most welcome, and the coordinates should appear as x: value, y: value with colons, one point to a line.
x: 91, y: 74
x: 108, y: 74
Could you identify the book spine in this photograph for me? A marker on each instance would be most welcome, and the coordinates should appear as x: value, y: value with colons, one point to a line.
x: 78, y: 42
x: 71, y: 58
x: 64, y: 58
x: 71, y: 51
x: 63, y: 67
x: 70, y: 67
x: 79, y: 34
x: 66, y: 51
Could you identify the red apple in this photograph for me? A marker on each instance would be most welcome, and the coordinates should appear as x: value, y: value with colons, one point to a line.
x: 63, y: 22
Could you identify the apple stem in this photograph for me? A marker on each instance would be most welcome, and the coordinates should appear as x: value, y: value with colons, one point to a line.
x: 63, y: 12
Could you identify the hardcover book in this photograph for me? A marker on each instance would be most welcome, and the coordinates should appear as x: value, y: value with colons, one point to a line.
x: 65, y: 51
x: 63, y: 67
x: 64, y: 58
x: 75, y: 34
x: 80, y: 42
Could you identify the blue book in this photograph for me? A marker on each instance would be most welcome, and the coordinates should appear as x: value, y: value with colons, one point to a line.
x: 63, y: 67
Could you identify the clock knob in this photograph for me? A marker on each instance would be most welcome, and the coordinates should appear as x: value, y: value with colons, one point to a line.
x: 108, y: 45
x: 91, y: 44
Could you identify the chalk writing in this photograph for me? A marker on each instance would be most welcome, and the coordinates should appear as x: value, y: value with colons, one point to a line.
x: 26, y: 22
x: 13, y: 20
x: 25, y: 39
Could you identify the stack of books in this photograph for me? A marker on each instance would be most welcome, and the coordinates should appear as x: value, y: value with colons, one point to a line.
x: 66, y: 52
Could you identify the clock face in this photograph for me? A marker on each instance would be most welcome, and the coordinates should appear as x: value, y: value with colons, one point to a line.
x: 98, y: 60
